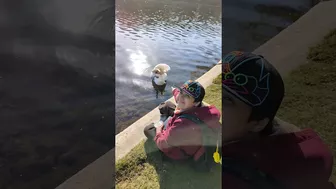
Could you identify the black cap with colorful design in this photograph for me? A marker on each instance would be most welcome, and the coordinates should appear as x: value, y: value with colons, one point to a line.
x: 194, y: 89
x: 252, y: 79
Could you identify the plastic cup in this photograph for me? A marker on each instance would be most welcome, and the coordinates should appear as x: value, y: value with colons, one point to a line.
x: 158, y: 124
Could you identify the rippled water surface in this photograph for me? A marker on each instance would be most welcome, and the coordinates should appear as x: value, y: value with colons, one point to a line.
x: 186, y: 35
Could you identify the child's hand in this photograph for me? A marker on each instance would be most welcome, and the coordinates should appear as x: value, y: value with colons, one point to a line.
x: 159, y: 129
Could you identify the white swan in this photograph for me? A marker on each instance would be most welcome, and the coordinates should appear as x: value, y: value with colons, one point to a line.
x: 159, y: 78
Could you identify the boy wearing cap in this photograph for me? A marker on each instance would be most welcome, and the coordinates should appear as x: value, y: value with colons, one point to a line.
x: 182, y: 139
x: 252, y: 93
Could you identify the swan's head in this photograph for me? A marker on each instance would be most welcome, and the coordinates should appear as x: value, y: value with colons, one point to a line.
x: 158, y: 71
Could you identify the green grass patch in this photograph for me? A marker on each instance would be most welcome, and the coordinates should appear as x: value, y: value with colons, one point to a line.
x: 310, y: 99
x: 143, y: 167
x: 324, y: 52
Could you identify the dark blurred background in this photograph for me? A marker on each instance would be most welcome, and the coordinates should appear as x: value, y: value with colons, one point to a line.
x: 56, y: 89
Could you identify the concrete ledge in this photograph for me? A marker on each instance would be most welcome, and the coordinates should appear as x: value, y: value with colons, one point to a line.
x: 97, y: 175
x: 285, y: 51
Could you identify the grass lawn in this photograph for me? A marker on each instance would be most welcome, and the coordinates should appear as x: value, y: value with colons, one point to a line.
x: 144, y: 168
x: 310, y: 99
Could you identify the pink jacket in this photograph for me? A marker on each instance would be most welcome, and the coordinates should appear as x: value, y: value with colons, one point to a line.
x: 185, y: 134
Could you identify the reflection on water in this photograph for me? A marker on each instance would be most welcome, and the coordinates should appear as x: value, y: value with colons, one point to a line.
x: 186, y: 35
x: 138, y: 61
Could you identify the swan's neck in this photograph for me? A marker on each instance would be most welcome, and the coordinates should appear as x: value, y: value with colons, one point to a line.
x: 160, y: 79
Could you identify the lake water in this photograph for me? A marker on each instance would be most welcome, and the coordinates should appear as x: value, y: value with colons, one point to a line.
x: 186, y: 35
x: 56, y: 110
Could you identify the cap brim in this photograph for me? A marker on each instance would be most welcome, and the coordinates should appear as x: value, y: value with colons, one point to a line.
x: 235, y: 94
x: 179, y: 88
